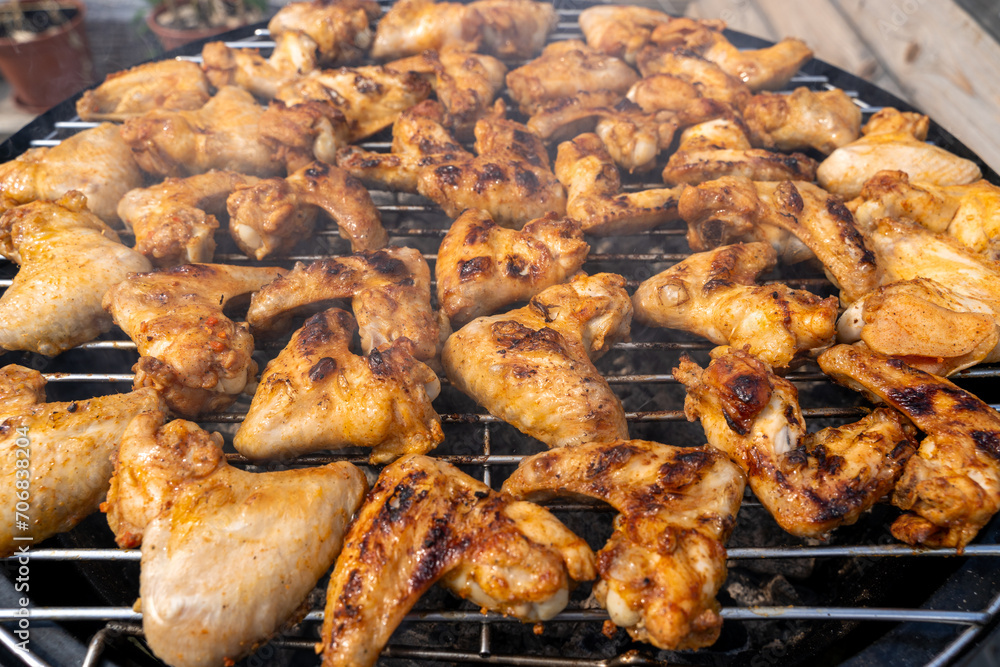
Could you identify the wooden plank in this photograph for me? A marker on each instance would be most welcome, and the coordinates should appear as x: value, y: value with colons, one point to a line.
x: 741, y: 15
x: 944, y: 61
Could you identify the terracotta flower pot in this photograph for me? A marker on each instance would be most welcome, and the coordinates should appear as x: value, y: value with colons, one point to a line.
x: 46, y: 70
x: 172, y: 38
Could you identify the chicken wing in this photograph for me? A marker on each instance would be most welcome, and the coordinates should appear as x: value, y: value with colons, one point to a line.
x: 620, y: 31
x: 171, y: 85
x: 482, y: 267
x: 68, y: 259
x: 514, y: 29
x: 810, y: 482
x: 197, y: 517
x: 567, y: 117
x: 665, y: 560
x: 66, y: 450
x: 195, y: 356
x: 951, y: 488
x: 341, y: 29
x: 893, y: 140
x: 594, y: 196
x: 95, y: 162
x: 294, y: 54
x: 820, y: 119
x: 714, y: 294
x: 634, y: 138
x: 426, y: 521
x: 413, y: 26
x: 707, y: 78
x: 270, y: 216
x: 300, y: 133
x: 175, y: 221
x: 533, y: 367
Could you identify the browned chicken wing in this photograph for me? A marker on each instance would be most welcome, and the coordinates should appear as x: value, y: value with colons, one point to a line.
x: 171, y: 85
x: 820, y: 119
x: 341, y: 29
x: 513, y: 29
x: 707, y: 78
x: 620, y: 31
x: 426, y: 521
x: 294, y: 54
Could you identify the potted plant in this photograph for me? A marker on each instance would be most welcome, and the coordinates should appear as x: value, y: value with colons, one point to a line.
x: 44, y: 53
x: 177, y: 22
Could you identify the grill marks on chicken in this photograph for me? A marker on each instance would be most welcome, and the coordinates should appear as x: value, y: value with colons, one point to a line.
x: 172, y: 85
x: 426, y: 521
x: 69, y: 451
x: 196, y: 517
x: 810, y: 482
x: 665, y: 560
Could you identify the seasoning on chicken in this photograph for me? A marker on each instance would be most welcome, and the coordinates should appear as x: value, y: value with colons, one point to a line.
x: 294, y: 55
x: 707, y: 78
x: 620, y: 31
x: 340, y: 29
x: 533, y: 367
x: 68, y: 259
x: 567, y: 117
x: 426, y: 521
x: 715, y: 295
x: 66, y: 449
x: 810, y: 482
x: 229, y: 557
x: 172, y: 85
x: 951, y: 487
x: 300, y: 133
x: 194, y: 355
x: 514, y: 29
x: 820, y: 119
x: 665, y: 560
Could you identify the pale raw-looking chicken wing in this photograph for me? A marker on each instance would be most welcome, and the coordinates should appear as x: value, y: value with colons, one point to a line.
x: 170, y: 85
x: 665, y: 560
x: 66, y: 449
x: 95, y: 162
x: 594, y: 196
x: 533, y: 367
x: 229, y: 557
x: 620, y: 31
x: 951, y: 487
x: 270, y: 216
x: 426, y: 521
x: 341, y: 29
x: 194, y: 355
x: 317, y: 394
x: 714, y: 294
x: 729, y: 210
x: 820, y: 119
x: 482, y: 267
x: 175, y: 221
x: 389, y: 290
x: 68, y: 259
x: 294, y: 55
x: 809, y: 482
x: 893, y: 140
x: 720, y: 148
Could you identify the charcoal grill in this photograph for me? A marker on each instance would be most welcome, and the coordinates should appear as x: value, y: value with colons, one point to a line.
x: 858, y: 599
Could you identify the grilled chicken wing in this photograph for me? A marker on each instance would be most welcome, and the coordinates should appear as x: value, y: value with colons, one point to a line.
x: 513, y: 29
x: 426, y: 521
x: 294, y: 55
x: 228, y: 556
x: 665, y: 561
x: 171, y: 85
x: 482, y: 267
x: 175, y: 221
x: 66, y: 449
x: 68, y: 259
x: 270, y: 216
x: 729, y: 210
x: 620, y: 31
x: 341, y: 29
x: 893, y: 140
x: 707, y: 78
x: 533, y: 368
x: 390, y: 293
x: 195, y: 356
x: 317, y: 395
x: 810, y: 482
x: 951, y: 488
x: 567, y: 117
x: 823, y: 119
x: 714, y: 294
x: 594, y: 195
x: 95, y: 162
x: 299, y: 133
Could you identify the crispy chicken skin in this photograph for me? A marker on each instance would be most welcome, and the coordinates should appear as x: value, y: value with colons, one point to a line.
x: 594, y: 195
x: 951, y: 487
x: 68, y: 446
x: 567, y: 117
x: 714, y: 294
x: 482, y: 267
x: 68, y: 259
x: 317, y: 395
x: 620, y: 31
x: 341, y: 29
x: 195, y: 356
x: 893, y: 140
x: 731, y: 209
x: 533, y: 367
x: 228, y: 556
x: 294, y: 54
x: 823, y: 119
x: 171, y: 85
x: 299, y: 133
x: 665, y: 561
x: 390, y: 293
x: 175, y: 221
x: 810, y: 482
x: 95, y: 162
x: 426, y: 521
x: 270, y: 216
